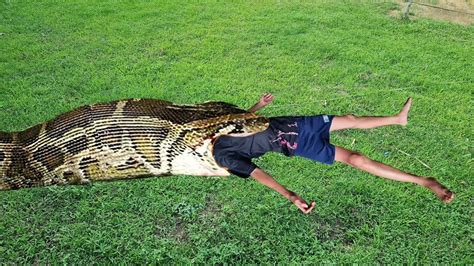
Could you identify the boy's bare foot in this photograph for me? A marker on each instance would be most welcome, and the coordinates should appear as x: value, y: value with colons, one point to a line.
x: 441, y: 191
x: 403, y: 115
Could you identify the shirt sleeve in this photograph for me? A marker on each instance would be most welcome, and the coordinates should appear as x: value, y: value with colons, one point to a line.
x: 238, y: 165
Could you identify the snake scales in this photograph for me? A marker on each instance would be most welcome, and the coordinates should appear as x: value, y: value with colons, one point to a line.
x: 120, y: 140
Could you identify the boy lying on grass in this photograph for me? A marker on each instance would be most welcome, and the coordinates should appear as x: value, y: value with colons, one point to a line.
x: 308, y: 136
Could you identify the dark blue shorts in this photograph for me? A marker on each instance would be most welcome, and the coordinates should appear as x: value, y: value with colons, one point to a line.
x: 313, y: 138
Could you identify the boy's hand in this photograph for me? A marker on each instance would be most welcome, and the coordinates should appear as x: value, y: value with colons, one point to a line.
x: 265, y: 179
x: 301, y: 204
x: 266, y: 99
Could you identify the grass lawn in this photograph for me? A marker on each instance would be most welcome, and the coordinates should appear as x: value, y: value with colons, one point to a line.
x: 321, y: 57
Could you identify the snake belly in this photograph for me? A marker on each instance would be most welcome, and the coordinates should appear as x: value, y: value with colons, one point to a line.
x: 121, y: 140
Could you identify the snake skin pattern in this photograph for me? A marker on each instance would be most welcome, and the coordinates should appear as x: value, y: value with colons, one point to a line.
x: 121, y: 140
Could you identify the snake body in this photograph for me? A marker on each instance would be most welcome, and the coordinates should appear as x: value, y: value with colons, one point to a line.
x: 120, y: 140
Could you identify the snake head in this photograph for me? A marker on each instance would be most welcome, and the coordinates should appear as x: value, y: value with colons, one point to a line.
x: 244, y: 123
x: 251, y: 123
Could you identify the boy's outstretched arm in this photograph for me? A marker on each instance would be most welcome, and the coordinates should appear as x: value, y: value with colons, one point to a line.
x: 264, y: 100
x: 264, y: 178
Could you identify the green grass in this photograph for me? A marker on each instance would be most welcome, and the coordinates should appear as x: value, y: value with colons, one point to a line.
x: 320, y: 57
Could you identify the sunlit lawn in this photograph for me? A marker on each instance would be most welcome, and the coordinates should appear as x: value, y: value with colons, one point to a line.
x: 320, y: 57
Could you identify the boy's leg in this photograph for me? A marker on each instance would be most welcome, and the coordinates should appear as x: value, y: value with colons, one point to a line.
x: 351, y: 121
x: 361, y: 162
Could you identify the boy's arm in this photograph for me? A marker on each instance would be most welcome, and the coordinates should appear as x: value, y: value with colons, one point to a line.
x: 264, y: 100
x: 265, y: 179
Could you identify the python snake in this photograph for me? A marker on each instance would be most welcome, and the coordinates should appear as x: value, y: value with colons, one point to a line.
x: 121, y: 140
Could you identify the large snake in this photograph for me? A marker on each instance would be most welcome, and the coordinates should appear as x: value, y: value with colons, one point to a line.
x: 120, y: 140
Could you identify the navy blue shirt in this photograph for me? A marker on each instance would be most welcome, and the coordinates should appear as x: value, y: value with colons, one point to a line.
x: 235, y: 153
